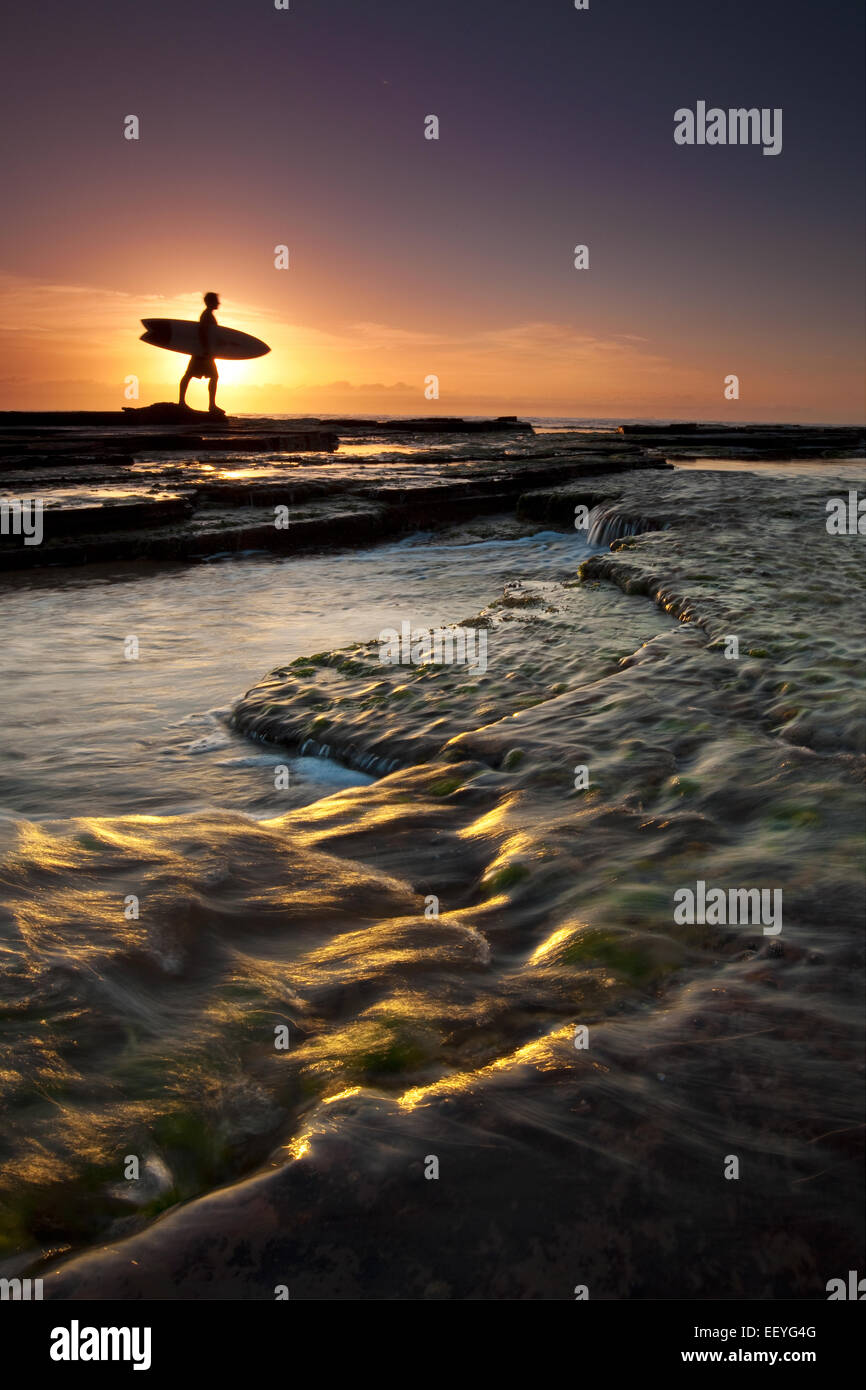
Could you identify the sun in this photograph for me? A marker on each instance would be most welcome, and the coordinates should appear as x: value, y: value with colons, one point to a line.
x: 232, y: 373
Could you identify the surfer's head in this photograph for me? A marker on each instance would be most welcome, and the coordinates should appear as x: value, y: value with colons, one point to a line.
x: 212, y: 300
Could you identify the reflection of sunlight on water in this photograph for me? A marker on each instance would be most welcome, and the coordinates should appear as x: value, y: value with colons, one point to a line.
x: 84, y: 496
x: 377, y: 450
x: 234, y: 473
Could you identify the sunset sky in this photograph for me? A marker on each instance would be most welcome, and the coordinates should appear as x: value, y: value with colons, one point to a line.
x: 412, y: 257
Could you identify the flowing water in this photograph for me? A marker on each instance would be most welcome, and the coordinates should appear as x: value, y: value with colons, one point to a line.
x: 286, y: 1002
x: 90, y: 731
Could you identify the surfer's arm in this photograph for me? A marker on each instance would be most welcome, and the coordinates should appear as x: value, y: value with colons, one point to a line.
x: 205, y: 325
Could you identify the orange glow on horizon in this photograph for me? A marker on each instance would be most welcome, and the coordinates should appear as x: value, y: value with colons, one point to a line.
x: 74, y: 347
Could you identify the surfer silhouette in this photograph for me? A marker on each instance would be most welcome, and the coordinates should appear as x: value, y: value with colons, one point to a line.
x: 204, y: 364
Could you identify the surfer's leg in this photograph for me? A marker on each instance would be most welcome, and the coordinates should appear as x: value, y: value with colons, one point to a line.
x: 212, y: 389
x: 184, y: 383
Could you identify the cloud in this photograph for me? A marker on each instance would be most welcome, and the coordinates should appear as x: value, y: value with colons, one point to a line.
x: 37, y: 309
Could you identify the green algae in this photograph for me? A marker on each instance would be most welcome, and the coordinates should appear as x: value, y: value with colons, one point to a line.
x: 639, y: 960
x: 506, y: 877
x: 446, y: 785
x: 792, y: 817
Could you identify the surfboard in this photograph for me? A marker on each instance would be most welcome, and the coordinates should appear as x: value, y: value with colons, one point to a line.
x: 182, y: 335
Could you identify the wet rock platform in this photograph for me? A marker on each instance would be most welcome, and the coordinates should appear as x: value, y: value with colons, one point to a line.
x: 167, y: 483
x: 766, y: 443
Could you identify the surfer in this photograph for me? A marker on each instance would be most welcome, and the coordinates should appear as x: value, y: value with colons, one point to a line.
x: 204, y: 364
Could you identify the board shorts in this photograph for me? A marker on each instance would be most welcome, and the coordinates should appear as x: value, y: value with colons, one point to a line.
x: 202, y: 366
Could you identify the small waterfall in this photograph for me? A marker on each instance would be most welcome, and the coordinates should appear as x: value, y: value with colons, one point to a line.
x: 264, y: 729
x: 370, y: 763
x: 608, y: 524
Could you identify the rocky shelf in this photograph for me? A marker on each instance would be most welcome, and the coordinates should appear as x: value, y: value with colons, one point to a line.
x: 165, y: 483
x: 688, y: 440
